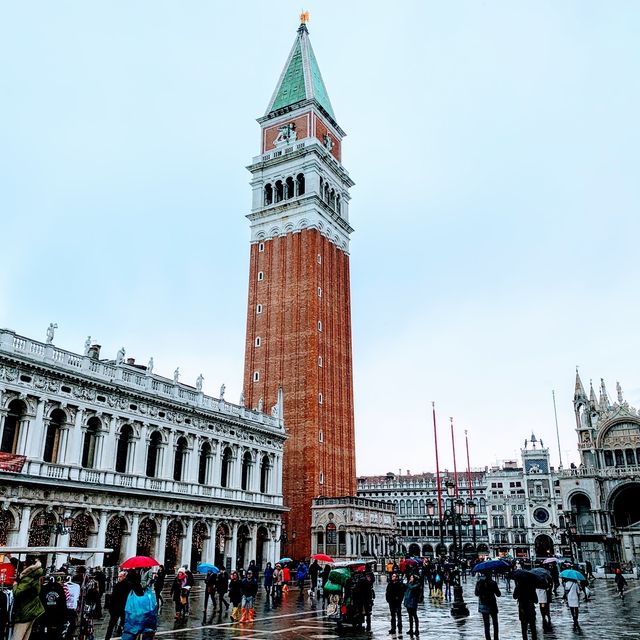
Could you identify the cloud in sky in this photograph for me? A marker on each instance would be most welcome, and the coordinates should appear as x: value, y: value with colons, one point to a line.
x: 494, y: 149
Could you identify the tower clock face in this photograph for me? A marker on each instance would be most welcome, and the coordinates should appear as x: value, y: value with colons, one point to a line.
x: 541, y: 515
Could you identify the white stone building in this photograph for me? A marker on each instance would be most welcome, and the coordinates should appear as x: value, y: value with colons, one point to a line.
x: 602, y: 495
x: 132, y: 460
x: 417, y: 532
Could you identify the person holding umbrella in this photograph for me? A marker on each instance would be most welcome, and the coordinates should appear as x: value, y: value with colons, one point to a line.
x: 572, y: 596
x: 314, y: 570
x: 180, y: 594
x: 209, y: 594
x: 525, y: 593
x: 487, y: 591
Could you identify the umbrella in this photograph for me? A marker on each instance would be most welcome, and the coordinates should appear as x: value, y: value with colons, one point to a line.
x: 491, y: 565
x: 410, y: 561
x: 534, y: 579
x: 543, y: 574
x: 139, y: 562
x: 203, y: 567
x: 284, y: 560
x: 549, y: 560
x: 322, y: 557
x: 572, y: 574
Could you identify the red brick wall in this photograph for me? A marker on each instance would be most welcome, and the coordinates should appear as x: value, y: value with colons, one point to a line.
x: 288, y: 356
x: 302, y: 123
x: 320, y: 130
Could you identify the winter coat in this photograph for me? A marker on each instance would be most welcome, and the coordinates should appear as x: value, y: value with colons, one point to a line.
x: 314, y: 569
x: 249, y: 587
x: 222, y: 583
x: 119, y: 596
x: 301, y: 572
x: 268, y: 577
x: 412, y: 595
x: 26, y: 594
x: 235, y: 592
x: 572, y: 593
x: 487, y: 590
x: 395, y: 593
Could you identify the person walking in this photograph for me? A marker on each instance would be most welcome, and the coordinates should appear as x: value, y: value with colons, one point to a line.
x: 394, y: 596
x: 286, y: 578
x: 621, y: 583
x: 235, y: 595
x: 27, y: 607
x: 363, y: 596
x: 314, y: 570
x: 572, y: 596
x: 411, y: 598
x: 324, y: 576
x: 222, y: 586
x: 180, y: 594
x: 249, y: 588
x: 525, y: 594
x: 158, y: 585
x: 278, y: 581
x: 545, y: 611
x: 487, y: 591
x: 117, y: 603
x: 209, y: 594
x: 301, y: 575
x: 268, y: 580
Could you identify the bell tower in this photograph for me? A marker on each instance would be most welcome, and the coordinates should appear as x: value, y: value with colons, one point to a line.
x: 299, y: 319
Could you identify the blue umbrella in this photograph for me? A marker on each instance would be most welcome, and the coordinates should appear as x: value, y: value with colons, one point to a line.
x: 285, y: 560
x: 203, y: 567
x: 572, y: 574
x: 491, y: 565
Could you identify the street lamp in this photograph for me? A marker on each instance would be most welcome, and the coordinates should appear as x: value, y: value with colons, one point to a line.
x: 58, y: 528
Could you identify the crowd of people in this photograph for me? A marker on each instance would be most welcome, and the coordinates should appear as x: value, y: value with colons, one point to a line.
x: 63, y: 604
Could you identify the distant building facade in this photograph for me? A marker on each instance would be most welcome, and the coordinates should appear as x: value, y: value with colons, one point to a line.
x: 417, y: 532
x: 602, y: 495
x: 132, y: 461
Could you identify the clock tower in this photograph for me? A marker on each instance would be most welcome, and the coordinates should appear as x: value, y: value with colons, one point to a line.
x: 298, y: 342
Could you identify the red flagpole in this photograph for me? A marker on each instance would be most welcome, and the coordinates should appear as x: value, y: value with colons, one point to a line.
x: 466, y: 440
x: 435, y: 438
x: 455, y: 469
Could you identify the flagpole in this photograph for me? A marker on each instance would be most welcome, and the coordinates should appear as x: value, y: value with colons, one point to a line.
x: 435, y: 439
x: 473, y: 517
x: 455, y: 468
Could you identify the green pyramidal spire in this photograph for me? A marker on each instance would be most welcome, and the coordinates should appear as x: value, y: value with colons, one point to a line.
x: 301, y: 79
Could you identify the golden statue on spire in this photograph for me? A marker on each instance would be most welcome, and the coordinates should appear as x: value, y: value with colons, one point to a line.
x: 304, y: 17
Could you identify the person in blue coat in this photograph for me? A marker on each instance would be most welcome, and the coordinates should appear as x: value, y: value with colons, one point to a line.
x: 411, y: 599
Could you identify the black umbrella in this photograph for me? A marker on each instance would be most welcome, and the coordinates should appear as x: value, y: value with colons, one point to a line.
x: 531, y: 578
x: 544, y: 577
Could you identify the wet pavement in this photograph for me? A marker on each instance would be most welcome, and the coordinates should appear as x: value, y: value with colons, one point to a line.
x: 604, y: 615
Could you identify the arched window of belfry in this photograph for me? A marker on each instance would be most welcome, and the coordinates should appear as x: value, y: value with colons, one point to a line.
x: 279, y: 194
x: 290, y: 188
x: 300, y: 184
x: 268, y: 194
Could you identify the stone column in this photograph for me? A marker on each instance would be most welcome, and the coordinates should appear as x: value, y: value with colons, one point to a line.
x: 191, y: 461
x: 101, y: 538
x: 132, y: 545
x: 23, y: 531
x: 253, y: 543
x: 162, y: 540
x: 214, y: 471
x: 108, y: 460
x: 233, y: 552
x: 35, y: 436
x: 209, y: 546
x: 138, y: 453
x: 169, y: 456
x: 237, y: 468
x: 73, y: 453
x: 187, y: 544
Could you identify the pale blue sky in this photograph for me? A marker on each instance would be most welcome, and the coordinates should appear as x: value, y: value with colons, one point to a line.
x: 494, y: 148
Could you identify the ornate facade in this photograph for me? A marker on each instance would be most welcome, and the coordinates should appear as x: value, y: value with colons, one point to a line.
x: 602, y: 495
x: 133, y: 461
x: 417, y: 532
x: 299, y: 316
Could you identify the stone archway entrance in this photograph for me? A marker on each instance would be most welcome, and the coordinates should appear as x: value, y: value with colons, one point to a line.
x: 175, y: 533
x: 544, y: 546
x: 222, y: 535
x: 414, y: 549
x: 625, y: 504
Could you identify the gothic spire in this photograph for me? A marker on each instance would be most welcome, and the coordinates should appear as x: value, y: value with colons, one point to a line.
x: 579, y: 392
x: 604, y: 398
x: 592, y: 395
x: 301, y: 79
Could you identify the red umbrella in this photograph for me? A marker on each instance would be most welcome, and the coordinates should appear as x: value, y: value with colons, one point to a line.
x: 139, y: 562
x: 322, y: 557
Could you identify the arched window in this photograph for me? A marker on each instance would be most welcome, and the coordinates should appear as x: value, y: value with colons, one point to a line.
x: 268, y: 194
x: 155, y: 442
x: 279, y: 195
x: 630, y: 456
x: 300, y: 184
x: 122, y: 449
x: 338, y: 204
x: 245, y: 480
x: 332, y: 199
x: 415, y: 507
x: 203, y: 463
x: 11, y: 431
x: 325, y: 195
x: 608, y: 458
x: 178, y: 462
x: 90, y: 442
x: 52, y: 437
x: 422, y: 511
x: 225, y: 467
x: 290, y: 188
x: 409, y: 508
x: 264, y: 474
x: 402, y: 507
